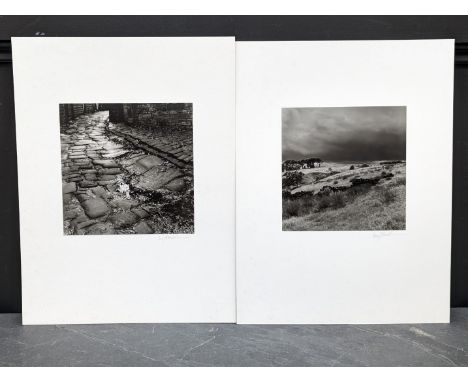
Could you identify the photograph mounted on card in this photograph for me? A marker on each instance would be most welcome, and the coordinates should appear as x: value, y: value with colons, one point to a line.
x: 335, y: 220
x: 127, y: 168
x: 344, y: 168
x: 117, y: 204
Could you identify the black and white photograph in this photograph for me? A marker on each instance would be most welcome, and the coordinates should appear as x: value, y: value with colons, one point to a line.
x: 344, y: 168
x: 127, y: 168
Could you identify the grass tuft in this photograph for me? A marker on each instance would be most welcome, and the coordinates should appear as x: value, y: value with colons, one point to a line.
x: 386, y: 195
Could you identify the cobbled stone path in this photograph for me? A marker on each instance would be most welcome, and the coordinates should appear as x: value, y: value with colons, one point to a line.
x: 111, y: 186
x: 176, y: 145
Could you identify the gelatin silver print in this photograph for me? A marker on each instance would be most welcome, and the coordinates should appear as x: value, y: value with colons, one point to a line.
x: 344, y: 168
x: 127, y: 168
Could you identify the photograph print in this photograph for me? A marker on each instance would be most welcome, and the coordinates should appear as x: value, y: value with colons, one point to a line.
x: 127, y: 168
x: 344, y: 168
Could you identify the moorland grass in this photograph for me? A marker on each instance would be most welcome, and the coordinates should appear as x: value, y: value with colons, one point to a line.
x: 380, y: 207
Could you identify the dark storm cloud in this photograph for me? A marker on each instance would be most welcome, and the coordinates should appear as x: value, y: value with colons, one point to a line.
x: 345, y: 133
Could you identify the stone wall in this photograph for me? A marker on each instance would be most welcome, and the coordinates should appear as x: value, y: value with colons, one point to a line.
x: 69, y: 111
x: 153, y: 116
x: 115, y: 111
x: 89, y: 108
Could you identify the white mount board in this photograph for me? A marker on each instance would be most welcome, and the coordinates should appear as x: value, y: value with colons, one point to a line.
x: 330, y: 277
x: 126, y: 278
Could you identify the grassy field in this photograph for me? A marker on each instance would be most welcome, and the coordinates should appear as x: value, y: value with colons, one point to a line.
x: 345, y: 197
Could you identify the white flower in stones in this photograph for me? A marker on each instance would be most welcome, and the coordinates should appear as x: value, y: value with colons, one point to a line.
x: 123, y: 187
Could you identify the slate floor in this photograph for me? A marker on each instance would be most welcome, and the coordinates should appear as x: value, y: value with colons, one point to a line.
x: 234, y: 345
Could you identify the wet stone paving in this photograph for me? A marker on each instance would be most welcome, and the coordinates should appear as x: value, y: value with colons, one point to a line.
x: 111, y: 186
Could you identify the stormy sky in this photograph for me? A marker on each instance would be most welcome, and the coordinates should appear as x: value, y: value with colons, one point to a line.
x: 345, y: 133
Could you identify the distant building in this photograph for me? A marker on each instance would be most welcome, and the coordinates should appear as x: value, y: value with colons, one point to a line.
x: 291, y: 164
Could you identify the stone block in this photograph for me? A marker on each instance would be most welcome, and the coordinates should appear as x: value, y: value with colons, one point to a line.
x: 107, y: 177
x: 110, y: 171
x: 155, y: 179
x: 177, y: 184
x: 123, y: 219
x: 99, y: 191
x: 87, y: 184
x: 143, y: 228
x: 124, y: 203
x: 105, y: 163
x: 95, y: 207
x: 150, y: 161
x: 140, y: 212
x: 68, y: 187
x: 85, y: 224
x: 101, y: 229
x: 67, y: 198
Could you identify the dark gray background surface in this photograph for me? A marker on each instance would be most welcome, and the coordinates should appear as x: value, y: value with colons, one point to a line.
x: 255, y: 28
x: 234, y: 345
